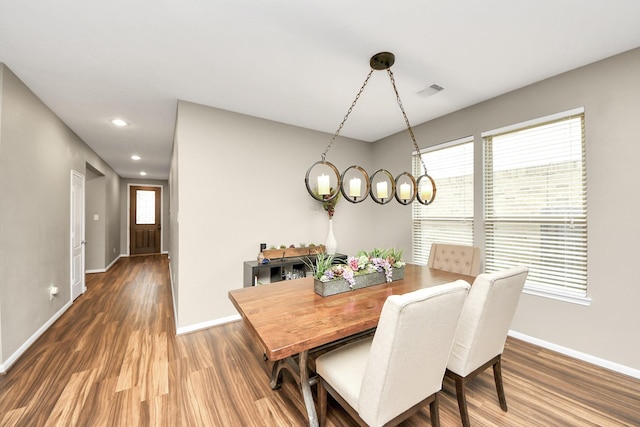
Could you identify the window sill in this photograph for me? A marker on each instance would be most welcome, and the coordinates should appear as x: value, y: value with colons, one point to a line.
x: 565, y: 297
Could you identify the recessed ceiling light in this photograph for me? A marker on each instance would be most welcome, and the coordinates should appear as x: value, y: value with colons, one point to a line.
x: 135, y: 157
x: 143, y: 173
x: 119, y: 122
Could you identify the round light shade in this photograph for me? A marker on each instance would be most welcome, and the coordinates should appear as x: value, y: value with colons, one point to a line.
x: 355, y: 184
x: 383, y: 186
x: 426, y: 187
x: 323, y: 181
x: 406, y: 188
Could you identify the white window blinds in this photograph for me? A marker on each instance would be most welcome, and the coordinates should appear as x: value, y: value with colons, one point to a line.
x: 449, y: 218
x: 536, y: 204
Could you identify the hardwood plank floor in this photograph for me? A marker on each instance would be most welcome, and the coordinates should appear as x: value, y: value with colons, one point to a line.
x: 113, y: 359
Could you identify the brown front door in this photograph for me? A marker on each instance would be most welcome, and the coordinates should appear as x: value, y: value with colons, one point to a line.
x: 144, y: 220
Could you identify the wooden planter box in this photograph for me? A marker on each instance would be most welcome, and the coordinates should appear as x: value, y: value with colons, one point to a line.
x: 273, y: 253
x: 292, y: 252
x: 338, y: 286
x: 314, y: 250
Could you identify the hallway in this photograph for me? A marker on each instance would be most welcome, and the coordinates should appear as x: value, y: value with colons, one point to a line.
x: 113, y: 359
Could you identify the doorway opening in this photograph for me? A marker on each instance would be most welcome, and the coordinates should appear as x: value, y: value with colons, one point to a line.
x: 78, y: 242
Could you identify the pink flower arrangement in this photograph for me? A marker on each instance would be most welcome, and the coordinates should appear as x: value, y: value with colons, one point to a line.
x: 364, y: 263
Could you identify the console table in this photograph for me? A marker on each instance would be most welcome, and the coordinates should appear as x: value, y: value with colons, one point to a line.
x: 277, y: 269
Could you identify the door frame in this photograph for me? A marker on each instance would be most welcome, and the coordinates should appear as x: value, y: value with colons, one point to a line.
x: 129, y: 185
x: 76, y: 174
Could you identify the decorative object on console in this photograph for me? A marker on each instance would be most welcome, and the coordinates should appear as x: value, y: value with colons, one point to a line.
x: 293, y: 251
x: 329, y: 205
x: 333, y: 276
x: 330, y: 183
x: 331, y: 243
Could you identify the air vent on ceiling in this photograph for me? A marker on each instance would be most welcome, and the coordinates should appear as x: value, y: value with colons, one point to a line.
x: 431, y: 90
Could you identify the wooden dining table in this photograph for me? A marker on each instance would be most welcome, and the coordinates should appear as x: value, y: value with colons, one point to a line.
x: 288, y: 320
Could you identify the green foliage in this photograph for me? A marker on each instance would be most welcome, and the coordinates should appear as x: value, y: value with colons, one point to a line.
x: 395, y: 255
x: 322, y: 263
x: 330, y: 205
x: 376, y: 253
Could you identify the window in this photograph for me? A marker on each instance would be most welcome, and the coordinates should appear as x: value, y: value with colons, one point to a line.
x: 450, y: 217
x: 535, y: 204
x: 145, y: 207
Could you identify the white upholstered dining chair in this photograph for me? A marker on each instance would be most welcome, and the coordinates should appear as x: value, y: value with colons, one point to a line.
x: 455, y: 258
x: 384, y: 379
x: 482, y: 331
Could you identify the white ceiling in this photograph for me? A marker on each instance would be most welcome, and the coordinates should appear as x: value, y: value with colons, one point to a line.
x: 294, y: 61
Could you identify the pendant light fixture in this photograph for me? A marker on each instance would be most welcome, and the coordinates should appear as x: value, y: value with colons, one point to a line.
x: 354, y: 183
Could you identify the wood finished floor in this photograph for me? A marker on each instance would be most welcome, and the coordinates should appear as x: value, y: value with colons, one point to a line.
x: 113, y: 359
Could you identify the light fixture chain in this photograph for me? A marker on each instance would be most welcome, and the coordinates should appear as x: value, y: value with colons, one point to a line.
x: 353, y: 104
x: 406, y: 119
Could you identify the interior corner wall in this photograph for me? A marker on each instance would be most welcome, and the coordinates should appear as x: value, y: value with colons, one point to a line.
x: 37, y: 154
x: 95, y: 221
x: 113, y: 221
x: 241, y: 182
x: 174, y: 227
x: 609, y: 91
x: 2, y: 358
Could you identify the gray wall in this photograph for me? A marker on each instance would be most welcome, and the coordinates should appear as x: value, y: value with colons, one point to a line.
x: 95, y: 229
x: 37, y: 154
x: 103, y: 234
x: 174, y: 227
x: 610, y: 92
x: 2, y: 72
x: 241, y: 183
x: 113, y: 221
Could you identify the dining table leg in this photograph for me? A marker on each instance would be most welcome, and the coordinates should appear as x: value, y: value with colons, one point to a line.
x: 305, y: 387
x: 300, y: 371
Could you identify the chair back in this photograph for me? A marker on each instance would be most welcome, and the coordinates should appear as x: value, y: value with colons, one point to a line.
x: 485, y: 320
x: 409, y: 351
x: 455, y: 258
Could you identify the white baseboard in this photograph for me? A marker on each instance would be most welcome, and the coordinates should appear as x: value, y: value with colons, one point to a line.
x: 104, y: 270
x: 113, y: 262
x: 197, y: 326
x: 626, y: 370
x: 4, y: 367
x: 173, y: 298
x: 209, y: 324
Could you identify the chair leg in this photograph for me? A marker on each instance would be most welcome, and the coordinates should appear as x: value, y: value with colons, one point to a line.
x: 322, y: 403
x: 434, y: 410
x: 497, y: 376
x: 462, y: 401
